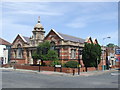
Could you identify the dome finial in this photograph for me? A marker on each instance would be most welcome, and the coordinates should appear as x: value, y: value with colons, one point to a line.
x: 39, y: 19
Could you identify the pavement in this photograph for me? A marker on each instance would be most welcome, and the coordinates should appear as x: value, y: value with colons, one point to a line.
x: 89, y: 73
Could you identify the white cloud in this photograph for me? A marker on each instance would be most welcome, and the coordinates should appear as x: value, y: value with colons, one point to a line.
x: 93, y: 12
x: 11, y: 29
x: 76, y: 25
x: 78, y: 22
x: 83, y: 21
x: 31, y: 8
x: 0, y: 19
x: 113, y: 35
x: 29, y: 12
x: 86, y: 15
x: 60, y: 1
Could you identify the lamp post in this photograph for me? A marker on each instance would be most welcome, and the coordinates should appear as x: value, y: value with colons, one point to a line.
x: 102, y: 59
x: 15, y: 61
x: 107, y: 62
x: 97, y: 63
x: 39, y: 64
x: 106, y: 38
x: 79, y: 58
x: 106, y: 54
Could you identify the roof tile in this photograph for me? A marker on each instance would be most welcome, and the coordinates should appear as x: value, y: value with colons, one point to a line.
x: 72, y: 38
x: 4, y: 42
x: 27, y: 39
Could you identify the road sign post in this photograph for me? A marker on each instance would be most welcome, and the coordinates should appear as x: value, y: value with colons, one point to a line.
x: 79, y: 66
x: 39, y: 64
x: 58, y: 66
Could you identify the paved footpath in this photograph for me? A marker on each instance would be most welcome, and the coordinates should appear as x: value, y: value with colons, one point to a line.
x: 89, y: 73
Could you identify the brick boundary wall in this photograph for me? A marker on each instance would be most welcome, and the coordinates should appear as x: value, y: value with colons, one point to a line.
x: 48, y: 68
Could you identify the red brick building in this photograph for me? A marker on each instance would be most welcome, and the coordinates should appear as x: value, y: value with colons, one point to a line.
x: 68, y: 47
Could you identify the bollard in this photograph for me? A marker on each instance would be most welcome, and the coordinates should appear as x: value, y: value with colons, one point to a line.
x: 60, y: 69
x: 39, y: 68
x: 54, y: 69
x: 73, y: 72
x: 14, y: 66
x: 39, y: 65
x: 78, y: 70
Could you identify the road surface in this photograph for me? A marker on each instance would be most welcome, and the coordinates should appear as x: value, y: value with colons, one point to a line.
x: 18, y: 79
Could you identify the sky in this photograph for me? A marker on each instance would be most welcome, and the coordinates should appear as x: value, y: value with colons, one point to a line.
x: 81, y: 19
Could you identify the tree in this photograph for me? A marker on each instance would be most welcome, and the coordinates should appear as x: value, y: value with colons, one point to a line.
x: 35, y: 56
x: 52, y: 55
x: 43, y: 52
x: 91, y: 55
x: 110, y: 45
x: 98, y: 52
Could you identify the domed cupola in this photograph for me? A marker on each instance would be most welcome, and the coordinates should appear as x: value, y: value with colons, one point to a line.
x: 38, y: 26
x: 38, y: 34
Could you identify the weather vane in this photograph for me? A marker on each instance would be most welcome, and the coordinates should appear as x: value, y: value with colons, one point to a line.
x: 39, y: 19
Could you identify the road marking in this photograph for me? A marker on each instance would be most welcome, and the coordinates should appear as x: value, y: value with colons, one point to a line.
x: 115, y: 73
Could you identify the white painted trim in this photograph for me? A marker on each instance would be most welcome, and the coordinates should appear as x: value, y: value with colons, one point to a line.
x: 87, y: 39
x: 57, y: 33
x: 94, y: 40
x: 22, y: 37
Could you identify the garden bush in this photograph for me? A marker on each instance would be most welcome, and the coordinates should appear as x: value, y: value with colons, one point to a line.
x: 71, y: 64
x: 55, y: 63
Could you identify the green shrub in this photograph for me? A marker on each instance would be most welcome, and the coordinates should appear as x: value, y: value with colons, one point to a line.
x: 55, y: 63
x: 35, y: 55
x: 63, y: 64
x: 71, y: 64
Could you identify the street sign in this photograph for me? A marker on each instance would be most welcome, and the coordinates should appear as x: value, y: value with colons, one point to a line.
x: 117, y: 59
x: 39, y: 60
x: 117, y: 51
x: 57, y: 65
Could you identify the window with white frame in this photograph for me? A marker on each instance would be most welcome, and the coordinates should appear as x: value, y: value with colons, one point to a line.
x: 73, y: 53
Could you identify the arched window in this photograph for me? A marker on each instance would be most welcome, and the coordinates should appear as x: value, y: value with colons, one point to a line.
x: 19, y: 51
x: 52, y: 45
x: 73, y: 53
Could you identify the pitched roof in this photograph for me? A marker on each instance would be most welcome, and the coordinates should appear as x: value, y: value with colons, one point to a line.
x: 57, y: 33
x: 95, y: 40
x: 71, y: 38
x: 67, y: 37
x: 27, y: 39
x: 22, y: 38
x: 88, y: 38
x: 4, y: 42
